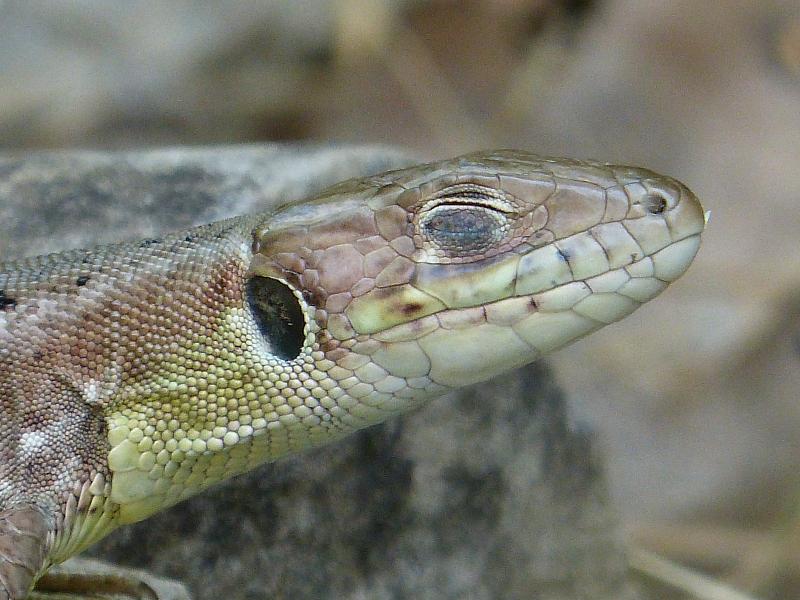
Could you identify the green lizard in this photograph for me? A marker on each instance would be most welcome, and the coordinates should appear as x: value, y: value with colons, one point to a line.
x: 135, y: 375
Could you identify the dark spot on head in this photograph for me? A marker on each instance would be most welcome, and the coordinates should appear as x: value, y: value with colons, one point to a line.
x: 314, y: 297
x: 411, y: 308
x: 6, y: 302
x: 82, y: 280
x: 655, y: 204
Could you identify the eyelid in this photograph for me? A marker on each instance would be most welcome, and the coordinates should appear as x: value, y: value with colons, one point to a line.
x: 461, y: 195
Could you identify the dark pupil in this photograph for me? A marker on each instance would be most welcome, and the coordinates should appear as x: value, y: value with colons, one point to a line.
x: 278, y: 315
x: 461, y: 228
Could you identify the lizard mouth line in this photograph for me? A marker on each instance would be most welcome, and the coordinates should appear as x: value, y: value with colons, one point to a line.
x: 635, y: 282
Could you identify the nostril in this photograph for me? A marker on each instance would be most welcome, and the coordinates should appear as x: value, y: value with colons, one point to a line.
x: 655, y: 204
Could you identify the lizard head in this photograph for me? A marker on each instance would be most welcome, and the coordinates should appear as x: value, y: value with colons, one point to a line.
x: 334, y: 313
x: 425, y: 279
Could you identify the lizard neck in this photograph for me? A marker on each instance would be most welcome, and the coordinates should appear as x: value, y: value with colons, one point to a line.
x: 247, y: 408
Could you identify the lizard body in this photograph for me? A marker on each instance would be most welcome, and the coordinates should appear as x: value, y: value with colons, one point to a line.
x: 135, y: 375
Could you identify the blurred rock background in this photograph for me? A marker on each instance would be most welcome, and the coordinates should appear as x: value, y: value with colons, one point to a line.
x: 695, y: 397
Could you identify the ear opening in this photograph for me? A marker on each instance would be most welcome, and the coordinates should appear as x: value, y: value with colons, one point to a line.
x: 279, y: 315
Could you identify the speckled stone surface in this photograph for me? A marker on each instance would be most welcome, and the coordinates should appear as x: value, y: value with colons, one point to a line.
x: 489, y: 493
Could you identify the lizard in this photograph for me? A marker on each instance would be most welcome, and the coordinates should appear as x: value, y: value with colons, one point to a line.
x: 137, y: 374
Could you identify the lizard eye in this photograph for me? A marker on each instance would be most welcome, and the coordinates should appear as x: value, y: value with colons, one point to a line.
x: 462, y: 228
x: 464, y: 221
x: 279, y: 315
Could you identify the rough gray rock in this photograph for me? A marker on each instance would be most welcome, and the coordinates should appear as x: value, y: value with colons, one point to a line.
x: 488, y: 493
x: 52, y: 201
